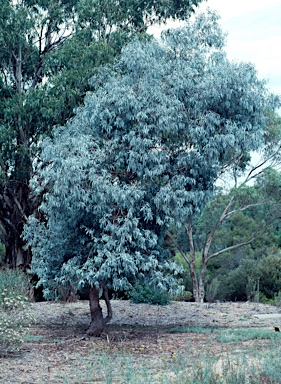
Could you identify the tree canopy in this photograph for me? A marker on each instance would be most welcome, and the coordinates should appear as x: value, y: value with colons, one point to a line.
x: 49, y: 50
x: 143, y: 153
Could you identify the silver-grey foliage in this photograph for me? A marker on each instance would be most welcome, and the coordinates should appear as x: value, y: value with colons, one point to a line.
x: 143, y: 153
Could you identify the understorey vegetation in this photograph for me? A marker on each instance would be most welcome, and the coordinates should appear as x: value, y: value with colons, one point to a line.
x: 15, y: 317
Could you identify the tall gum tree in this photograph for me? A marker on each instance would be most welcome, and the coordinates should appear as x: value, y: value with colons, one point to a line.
x: 143, y: 153
x: 202, y: 231
x: 49, y: 49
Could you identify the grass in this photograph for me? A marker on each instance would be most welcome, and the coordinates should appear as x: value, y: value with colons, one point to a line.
x: 255, y: 363
x: 231, y: 335
x: 240, y: 335
x: 109, y: 368
x: 28, y: 338
x: 240, y: 356
x: 201, y: 330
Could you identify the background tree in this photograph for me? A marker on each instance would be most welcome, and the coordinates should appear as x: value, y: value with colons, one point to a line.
x: 142, y: 154
x: 48, y: 52
x: 209, y: 238
x: 234, y: 232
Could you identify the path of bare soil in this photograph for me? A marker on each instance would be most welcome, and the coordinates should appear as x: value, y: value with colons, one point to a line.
x: 57, y: 345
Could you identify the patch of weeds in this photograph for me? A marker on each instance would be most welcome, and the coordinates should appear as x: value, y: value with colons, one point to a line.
x: 183, y: 296
x: 111, y: 368
x: 228, y: 369
x: 28, y: 338
x: 277, y: 299
x: 200, y: 330
x: 271, y: 367
x: 238, y: 335
x: 181, y: 368
x: 70, y: 312
x: 15, y: 317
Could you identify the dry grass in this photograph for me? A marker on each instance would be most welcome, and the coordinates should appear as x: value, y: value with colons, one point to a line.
x: 56, y: 352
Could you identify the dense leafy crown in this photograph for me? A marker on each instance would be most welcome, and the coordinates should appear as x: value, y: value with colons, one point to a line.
x: 142, y: 154
x: 48, y: 51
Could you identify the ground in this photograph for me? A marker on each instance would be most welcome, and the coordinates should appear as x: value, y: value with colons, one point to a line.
x: 58, y: 351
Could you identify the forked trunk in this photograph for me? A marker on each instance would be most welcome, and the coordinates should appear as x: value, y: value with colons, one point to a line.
x: 195, y: 285
x: 192, y: 266
x: 201, y: 287
x: 98, y: 322
x: 198, y: 286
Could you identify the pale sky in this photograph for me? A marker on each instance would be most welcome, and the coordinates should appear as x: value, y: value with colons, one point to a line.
x: 254, y: 34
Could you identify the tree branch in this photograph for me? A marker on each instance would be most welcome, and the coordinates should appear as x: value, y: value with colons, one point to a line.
x: 178, y: 247
x: 10, y: 224
x: 20, y: 208
x: 209, y: 238
x: 3, y: 232
x: 231, y: 248
x: 232, y: 213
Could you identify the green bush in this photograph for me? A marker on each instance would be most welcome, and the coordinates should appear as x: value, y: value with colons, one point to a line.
x: 212, y: 290
x: 2, y: 253
x: 149, y: 295
x: 277, y: 299
x: 183, y: 296
x: 239, y: 283
x: 270, y: 275
x: 264, y: 300
x: 15, y: 280
x: 15, y: 317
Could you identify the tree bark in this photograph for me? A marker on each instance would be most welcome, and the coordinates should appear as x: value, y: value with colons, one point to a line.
x: 192, y: 266
x: 201, y: 289
x: 15, y: 207
x: 16, y: 256
x: 98, y: 322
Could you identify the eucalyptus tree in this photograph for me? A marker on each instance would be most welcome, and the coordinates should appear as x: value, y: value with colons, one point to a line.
x: 204, y: 233
x: 142, y: 154
x: 252, y: 211
x: 48, y: 51
x: 233, y: 226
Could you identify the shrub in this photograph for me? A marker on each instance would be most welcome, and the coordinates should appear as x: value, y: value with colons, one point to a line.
x: 183, y: 296
x: 270, y: 272
x: 15, y: 317
x: 212, y: 290
x: 15, y: 280
x: 277, y: 299
x: 149, y: 295
x: 2, y: 253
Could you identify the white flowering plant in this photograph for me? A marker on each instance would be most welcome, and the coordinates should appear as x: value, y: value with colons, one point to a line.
x: 15, y: 316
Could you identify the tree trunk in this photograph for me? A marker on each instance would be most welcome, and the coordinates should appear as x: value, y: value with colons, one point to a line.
x: 201, y: 289
x: 195, y: 285
x: 16, y: 256
x: 98, y: 322
x: 192, y: 266
x: 15, y: 207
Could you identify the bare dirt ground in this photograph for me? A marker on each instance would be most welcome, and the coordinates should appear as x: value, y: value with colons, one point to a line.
x: 57, y: 347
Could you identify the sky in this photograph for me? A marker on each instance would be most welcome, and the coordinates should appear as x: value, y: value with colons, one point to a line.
x: 254, y: 34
